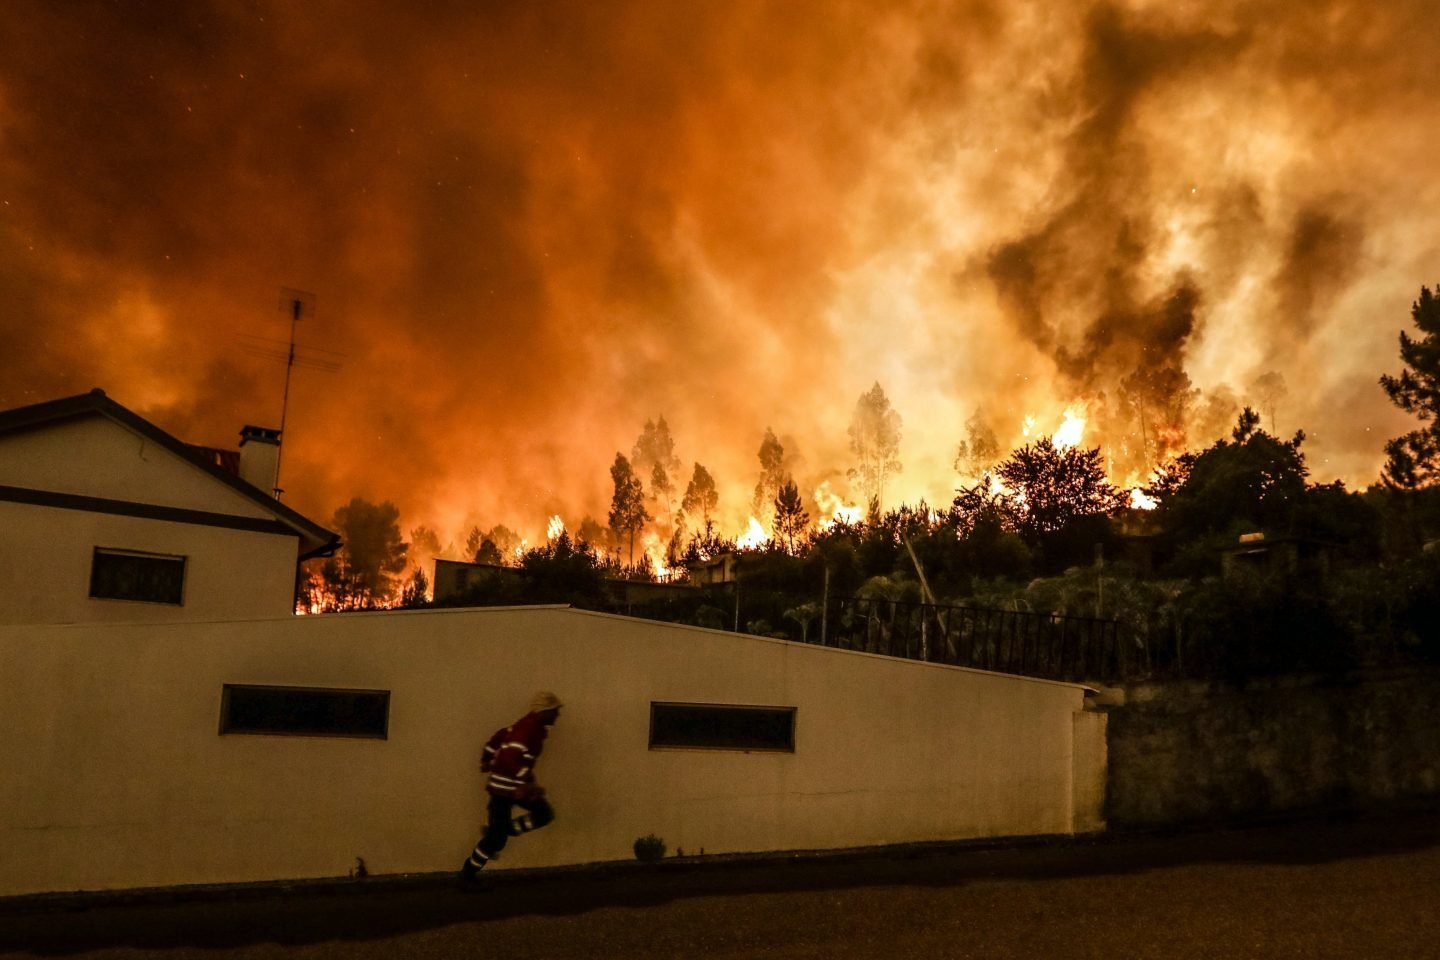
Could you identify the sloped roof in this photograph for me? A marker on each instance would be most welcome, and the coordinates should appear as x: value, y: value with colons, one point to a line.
x: 315, y: 540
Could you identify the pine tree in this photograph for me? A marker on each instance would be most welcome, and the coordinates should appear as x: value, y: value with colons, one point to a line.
x: 627, y: 506
x: 980, y: 450
x: 653, y: 456
x: 701, y: 498
x: 772, y: 475
x: 875, y: 441
x: 791, y: 517
x: 1414, y: 458
x: 372, y: 555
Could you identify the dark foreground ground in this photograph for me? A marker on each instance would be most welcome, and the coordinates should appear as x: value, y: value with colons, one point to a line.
x: 1337, y: 888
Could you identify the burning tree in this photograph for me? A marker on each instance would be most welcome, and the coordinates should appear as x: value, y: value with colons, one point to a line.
x: 1414, y: 458
x: 654, y: 456
x: 875, y: 441
x: 980, y: 449
x: 772, y: 475
x: 1160, y: 394
x: 627, y: 506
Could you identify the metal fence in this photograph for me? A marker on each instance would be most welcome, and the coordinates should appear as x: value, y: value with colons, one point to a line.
x: 1006, y: 641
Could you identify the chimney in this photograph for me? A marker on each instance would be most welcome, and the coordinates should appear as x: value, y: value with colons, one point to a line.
x: 260, y: 458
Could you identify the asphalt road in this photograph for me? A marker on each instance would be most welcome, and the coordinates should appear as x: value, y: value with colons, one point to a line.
x: 1352, y: 889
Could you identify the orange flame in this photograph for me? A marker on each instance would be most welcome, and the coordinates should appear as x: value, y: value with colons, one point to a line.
x: 753, y: 537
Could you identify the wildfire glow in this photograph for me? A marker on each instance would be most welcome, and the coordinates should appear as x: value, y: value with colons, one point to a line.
x: 753, y: 537
x: 1071, y: 430
x: 1147, y: 208
x: 555, y: 528
x: 1140, y: 501
x: 655, y: 552
x: 833, y: 509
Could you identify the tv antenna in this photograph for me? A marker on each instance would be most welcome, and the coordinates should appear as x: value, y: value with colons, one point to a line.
x: 296, y: 305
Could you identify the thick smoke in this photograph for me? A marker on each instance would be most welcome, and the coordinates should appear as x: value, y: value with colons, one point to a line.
x: 530, y: 228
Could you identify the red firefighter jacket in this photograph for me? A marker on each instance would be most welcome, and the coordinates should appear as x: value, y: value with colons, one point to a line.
x: 510, y: 756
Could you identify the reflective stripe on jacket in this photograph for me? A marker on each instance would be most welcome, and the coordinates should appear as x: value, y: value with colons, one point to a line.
x: 511, y: 753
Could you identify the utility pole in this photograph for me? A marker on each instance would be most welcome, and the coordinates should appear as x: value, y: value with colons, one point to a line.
x: 929, y: 598
x: 825, y: 605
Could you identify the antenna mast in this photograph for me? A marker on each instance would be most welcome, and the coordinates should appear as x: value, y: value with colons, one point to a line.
x: 296, y: 303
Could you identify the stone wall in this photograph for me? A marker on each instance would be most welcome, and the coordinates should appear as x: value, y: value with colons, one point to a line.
x: 1182, y: 753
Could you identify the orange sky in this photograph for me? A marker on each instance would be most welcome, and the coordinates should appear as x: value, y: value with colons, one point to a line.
x: 529, y: 227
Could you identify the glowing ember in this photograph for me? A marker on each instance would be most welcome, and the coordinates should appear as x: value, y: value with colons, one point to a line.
x: 1070, y: 432
x: 1028, y: 426
x: 753, y: 537
x: 833, y: 509
x: 1140, y: 501
x: 555, y: 528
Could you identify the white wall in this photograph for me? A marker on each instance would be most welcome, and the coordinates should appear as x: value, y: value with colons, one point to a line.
x: 46, y: 555
x: 97, y: 457
x: 46, y: 552
x: 115, y: 775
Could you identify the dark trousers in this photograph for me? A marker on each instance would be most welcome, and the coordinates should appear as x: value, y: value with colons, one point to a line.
x: 503, y: 825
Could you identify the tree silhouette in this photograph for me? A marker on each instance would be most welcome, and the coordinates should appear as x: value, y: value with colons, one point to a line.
x: 1160, y: 394
x: 627, y: 505
x: 772, y: 475
x: 1413, y: 460
x: 489, y: 553
x: 791, y: 517
x: 1252, y: 481
x: 983, y: 504
x: 473, y: 539
x: 424, y: 544
x: 363, y: 572
x: 564, y: 570
x: 980, y: 450
x: 701, y: 498
x: 417, y: 590
x: 1269, y: 389
x: 875, y: 441
x: 1054, y: 487
x: 510, y: 544
x: 653, y: 456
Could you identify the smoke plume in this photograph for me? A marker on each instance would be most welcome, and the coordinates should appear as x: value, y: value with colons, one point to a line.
x: 532, y: 227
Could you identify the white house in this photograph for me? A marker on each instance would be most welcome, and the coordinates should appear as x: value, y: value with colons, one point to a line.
x: 169, y: 721
x: 105, y: 517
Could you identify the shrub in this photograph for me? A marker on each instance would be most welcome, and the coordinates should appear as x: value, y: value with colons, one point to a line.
x: 649, y: 848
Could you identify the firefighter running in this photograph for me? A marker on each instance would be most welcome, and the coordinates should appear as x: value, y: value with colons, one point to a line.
x: 509, y: 757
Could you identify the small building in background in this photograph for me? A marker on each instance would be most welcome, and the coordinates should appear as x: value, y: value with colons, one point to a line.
x: 717, y: 570
x: 1285, y: 555
x: 108, y: 518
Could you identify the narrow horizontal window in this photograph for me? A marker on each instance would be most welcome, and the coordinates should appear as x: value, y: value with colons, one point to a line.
x: 131, y: 575
x: 713, y: 726
x: 305, y: 711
